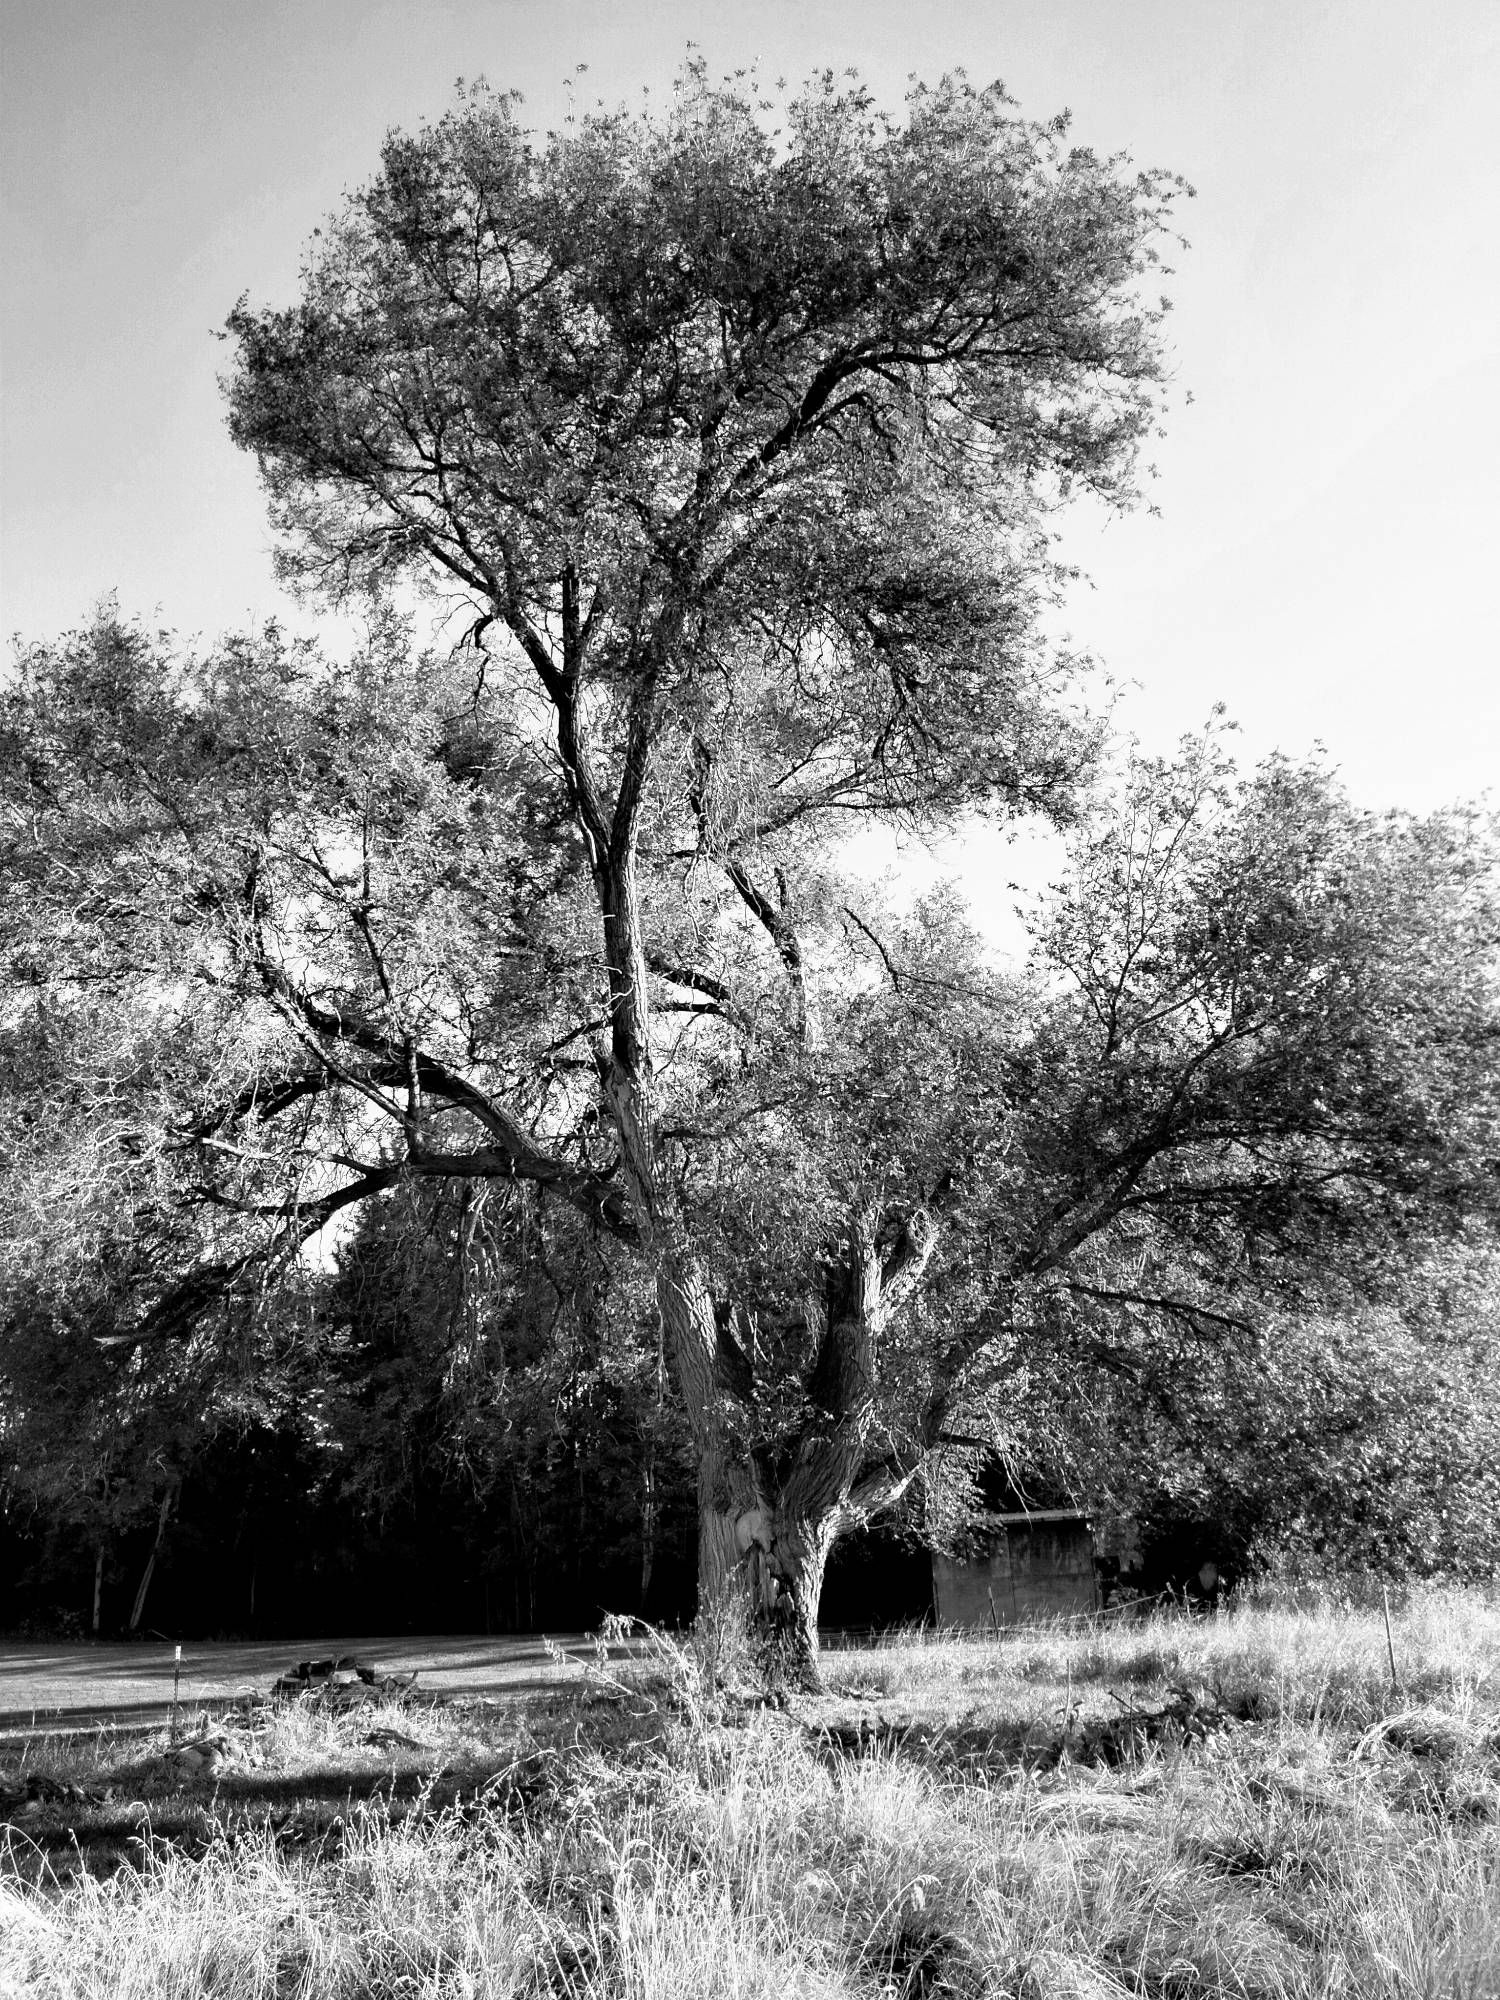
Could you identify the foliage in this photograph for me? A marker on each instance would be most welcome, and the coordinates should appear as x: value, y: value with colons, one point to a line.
x: 486, y: 1364
x: 93, y: 1436
x: 1361, y: 1441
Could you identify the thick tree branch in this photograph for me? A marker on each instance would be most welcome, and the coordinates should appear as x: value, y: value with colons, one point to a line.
x: 180, y: 1308
x: 514, y: 1154
x: 1180, y: 1308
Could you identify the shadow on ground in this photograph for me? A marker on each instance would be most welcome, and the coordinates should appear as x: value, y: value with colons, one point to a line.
x: 81, y: 1808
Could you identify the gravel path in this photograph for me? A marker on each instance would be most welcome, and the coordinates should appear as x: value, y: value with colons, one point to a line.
x: 45, y: 1688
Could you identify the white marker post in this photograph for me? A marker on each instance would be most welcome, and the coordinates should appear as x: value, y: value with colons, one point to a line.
x: 176, y: 1674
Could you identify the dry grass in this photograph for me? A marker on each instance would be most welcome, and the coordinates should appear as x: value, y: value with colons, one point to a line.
x: 1317, y: 1660
x: 1346, y: 1842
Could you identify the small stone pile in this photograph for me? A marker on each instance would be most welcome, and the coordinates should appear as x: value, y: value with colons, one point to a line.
x: 208, y: 1755
x: 340, y: 1684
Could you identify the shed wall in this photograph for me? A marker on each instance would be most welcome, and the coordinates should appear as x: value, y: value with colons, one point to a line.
x: 1042, y: 1571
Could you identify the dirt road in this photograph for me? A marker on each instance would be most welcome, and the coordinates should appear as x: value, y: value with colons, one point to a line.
x: 45, y: 1688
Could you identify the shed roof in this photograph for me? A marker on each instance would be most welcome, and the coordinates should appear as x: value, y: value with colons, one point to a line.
x: 1021, y: 1516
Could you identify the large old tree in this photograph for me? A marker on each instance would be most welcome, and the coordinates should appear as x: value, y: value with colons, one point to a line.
x: 740, y: 445
x: 739, y: 450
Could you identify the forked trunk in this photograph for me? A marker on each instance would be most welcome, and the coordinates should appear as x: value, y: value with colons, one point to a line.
x: 763, y: 1547
x: 760, y: 1563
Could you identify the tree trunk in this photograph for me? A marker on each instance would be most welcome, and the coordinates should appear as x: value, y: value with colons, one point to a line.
x: 763, y: 1549
x: 98, y: 1587
x: 793, y: 1568
x: 760, y: 1578
x: 650, y: 1505
x: 648, y: 1523
x: 761, y: 1556
x: 139, y: 1606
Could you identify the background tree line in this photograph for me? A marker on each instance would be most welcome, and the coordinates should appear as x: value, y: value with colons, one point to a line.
x: 402, y: 1454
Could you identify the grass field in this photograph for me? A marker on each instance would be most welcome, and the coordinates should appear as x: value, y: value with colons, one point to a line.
x: 1240, y: 1806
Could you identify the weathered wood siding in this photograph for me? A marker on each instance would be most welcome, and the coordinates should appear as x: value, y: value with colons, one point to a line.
x: 1043, y: 1569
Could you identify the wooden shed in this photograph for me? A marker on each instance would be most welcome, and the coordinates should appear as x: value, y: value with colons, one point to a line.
x: 1036, y: 1564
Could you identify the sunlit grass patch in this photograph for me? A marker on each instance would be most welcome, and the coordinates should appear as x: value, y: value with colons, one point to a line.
x: 396, y: 1911
x: 1318, y: 1658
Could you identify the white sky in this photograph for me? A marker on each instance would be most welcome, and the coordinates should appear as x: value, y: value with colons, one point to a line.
x: 1325, y: 560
